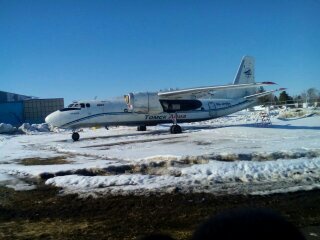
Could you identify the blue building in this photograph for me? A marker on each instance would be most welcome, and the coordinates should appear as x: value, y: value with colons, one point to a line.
x: 11, y: 112
x: 16, y: 109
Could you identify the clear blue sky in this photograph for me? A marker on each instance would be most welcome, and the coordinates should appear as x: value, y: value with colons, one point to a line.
x: 82, y: 49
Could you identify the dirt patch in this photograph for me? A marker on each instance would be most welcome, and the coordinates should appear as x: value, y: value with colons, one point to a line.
x: 43, y: 214
x: 44, y: 161
x: 111, y: 170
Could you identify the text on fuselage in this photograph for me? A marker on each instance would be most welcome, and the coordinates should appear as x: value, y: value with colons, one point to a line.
x: 165, y: 117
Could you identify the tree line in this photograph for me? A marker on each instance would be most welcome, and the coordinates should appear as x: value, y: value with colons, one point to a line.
x: 310, y: 96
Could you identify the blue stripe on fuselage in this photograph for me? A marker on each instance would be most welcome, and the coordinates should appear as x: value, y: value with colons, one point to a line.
x: 152, y: 122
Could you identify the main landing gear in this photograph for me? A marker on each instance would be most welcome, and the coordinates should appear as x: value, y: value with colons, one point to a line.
x: 75, y: 136
x: 175, y: 128
x: 142, y: 128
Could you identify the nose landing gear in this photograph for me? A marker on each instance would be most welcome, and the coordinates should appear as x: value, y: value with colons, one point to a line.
x: 75, y: 136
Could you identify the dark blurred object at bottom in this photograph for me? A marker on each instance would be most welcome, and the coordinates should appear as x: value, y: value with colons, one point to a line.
x: 249, y: 224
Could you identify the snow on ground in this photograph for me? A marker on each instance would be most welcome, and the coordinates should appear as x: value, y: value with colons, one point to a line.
x: 230, y: 155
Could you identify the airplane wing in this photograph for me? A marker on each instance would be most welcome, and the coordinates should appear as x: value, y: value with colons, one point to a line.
x: 257, y: 95
x: 183, y: 93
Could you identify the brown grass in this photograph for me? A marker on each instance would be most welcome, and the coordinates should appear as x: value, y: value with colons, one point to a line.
x: 44, y: 161
x: 43, y: 214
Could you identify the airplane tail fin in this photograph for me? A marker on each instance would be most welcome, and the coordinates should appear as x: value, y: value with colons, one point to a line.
x: 245, y: 72
x: 245, y: 75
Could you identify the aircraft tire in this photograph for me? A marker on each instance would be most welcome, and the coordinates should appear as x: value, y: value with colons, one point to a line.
x: 75, y: 136
x: 141, y: 128
x: 175, y: 129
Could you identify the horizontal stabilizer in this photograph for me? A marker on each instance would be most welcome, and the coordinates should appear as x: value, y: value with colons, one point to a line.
x: 201, y: 90
x: 257, y: 95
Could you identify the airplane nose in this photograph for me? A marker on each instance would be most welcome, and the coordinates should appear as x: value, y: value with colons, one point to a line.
x: 47, y: 119
x: 51, y: 119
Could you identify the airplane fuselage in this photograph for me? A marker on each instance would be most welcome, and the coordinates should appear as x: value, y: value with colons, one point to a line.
x: 109, y: 113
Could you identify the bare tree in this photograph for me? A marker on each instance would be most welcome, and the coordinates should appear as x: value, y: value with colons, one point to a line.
x: 312, y: 95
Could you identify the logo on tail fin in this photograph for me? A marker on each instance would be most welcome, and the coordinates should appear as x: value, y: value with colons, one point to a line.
x: 248, y: 72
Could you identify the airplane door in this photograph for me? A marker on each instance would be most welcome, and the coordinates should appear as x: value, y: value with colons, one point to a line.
x: 88, y: 108
x: 212, y: 109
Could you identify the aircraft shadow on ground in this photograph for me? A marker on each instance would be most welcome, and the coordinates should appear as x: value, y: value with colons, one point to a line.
x: 148, y: 133
x: 199, y: 128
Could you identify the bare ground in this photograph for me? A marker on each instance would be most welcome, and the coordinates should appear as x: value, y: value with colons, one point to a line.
x: 44, y: 214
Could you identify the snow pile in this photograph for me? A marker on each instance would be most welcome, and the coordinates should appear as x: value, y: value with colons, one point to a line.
x: 5, y: 177
x: 293, y: 113
x: 12, y: 182
x: 43, y: 127
x: 215, y: 177
x: 243, y: 117
x: 7, y: 128
x: 271, y: 171
x: 296, y: 113
x: 28, y: 129
x: 25, y: 128
x: 76, y: 181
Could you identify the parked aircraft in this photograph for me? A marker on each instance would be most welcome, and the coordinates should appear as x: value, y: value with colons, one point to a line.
x: 178, y: 106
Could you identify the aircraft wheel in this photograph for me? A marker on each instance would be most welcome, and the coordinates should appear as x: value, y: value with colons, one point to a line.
x: 141, y: 128
x: 175, y: 129
x: 75, y: 136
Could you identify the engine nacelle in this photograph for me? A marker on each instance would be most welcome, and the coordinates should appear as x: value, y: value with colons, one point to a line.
x: 143, y: 102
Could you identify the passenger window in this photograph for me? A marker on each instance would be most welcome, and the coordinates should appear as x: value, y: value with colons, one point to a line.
x: 82, y: 105
x: 88, y: 105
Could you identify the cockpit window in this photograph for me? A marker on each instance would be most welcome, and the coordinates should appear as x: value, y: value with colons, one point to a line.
x: 73, y: 105
x: 69, y: 109
x: 78, y: 105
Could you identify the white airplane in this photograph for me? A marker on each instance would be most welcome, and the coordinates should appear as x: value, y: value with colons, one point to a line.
x: 151, y: 108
